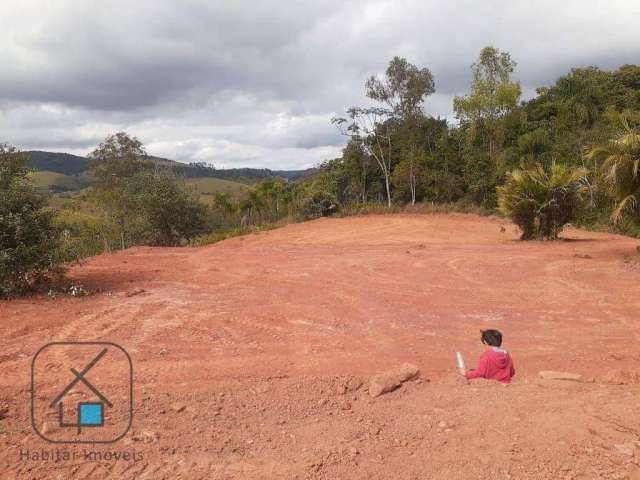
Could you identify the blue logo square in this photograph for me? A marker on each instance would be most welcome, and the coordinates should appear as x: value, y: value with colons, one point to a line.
x: 91, y: 414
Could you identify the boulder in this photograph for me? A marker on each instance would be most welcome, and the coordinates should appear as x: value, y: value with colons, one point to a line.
x: 392, y: 379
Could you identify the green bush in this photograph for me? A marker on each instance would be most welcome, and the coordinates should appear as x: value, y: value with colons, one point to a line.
x: 29, y: 240
x: 85, y: 235
x: 542, y: 200
x: 219, y: 235
x: 621, y: 168
x: 148, y: 203
x: 318, y: 204
x: 165, y: 207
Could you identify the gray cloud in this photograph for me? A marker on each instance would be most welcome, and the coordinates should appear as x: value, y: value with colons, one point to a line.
x: 242, y: 83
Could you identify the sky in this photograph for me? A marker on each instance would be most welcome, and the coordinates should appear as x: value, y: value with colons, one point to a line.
x: 255, y: 83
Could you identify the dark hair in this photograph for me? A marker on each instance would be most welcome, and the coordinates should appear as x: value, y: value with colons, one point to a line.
x: 491, y: 337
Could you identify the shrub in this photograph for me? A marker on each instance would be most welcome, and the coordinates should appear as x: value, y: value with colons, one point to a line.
x: 85, y: 235
x: 542, y: 200
x: 318, y: 204
x: 621, y: 168
x: 170, y: 214
x: 150, y: 204
x: 29, y: 240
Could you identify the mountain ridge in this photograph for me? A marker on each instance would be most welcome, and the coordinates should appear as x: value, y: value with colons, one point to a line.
x: 75, y: 165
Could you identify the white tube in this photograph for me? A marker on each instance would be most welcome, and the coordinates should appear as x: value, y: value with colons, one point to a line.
x: 460, y: 360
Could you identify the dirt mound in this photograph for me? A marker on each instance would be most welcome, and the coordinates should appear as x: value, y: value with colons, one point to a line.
x: 252, y: 357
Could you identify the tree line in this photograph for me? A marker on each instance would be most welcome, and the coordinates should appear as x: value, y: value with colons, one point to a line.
x: 570, y: 154
x: 132, y: 201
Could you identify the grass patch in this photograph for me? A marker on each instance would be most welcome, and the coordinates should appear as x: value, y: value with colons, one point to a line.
x: 219, y: 235
x: 54, y: 181
x: 420, y: 208
x: 209, y: 185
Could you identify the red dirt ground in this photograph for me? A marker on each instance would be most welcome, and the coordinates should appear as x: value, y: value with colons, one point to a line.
x: 263, y: 340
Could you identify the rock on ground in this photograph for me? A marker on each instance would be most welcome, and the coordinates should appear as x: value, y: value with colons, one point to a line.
x: 392, y: 379
x: 552, y: 375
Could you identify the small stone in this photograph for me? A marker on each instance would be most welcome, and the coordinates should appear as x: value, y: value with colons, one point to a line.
x: 134, y: 292
x: 625, y: 448
x: 442, y: 424
x: 178, y: 407
x: 552, y: 375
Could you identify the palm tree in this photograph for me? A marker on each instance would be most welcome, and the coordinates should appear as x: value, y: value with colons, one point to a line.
x: 621, y: 168
x: 542, y: 200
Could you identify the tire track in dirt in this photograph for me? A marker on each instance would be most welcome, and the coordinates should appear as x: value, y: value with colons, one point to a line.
x: 257, y: 336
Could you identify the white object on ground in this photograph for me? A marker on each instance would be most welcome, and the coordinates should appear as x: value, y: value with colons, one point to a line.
x: 552, y: 375
x: 460, y: 361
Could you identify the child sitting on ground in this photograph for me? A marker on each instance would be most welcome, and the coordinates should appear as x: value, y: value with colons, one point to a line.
x: 495, y: 363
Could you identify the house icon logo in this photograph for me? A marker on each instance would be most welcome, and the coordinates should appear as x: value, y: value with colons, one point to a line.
x: 81, y: 392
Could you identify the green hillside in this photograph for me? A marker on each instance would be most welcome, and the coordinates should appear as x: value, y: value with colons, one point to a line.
x: 63, y: 172
x: 64, y: 163
x: 56, y: 182
x: 211, y: 185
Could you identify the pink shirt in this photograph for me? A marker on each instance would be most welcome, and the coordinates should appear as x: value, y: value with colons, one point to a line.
x: 494, y: 364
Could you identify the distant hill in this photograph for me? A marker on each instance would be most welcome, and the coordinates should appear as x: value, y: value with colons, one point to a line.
x: 295, y: 174
x: 73, y: 165
x: 64, y: 163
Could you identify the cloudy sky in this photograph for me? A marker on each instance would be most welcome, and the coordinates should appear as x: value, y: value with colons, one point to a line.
x: 255, y: 83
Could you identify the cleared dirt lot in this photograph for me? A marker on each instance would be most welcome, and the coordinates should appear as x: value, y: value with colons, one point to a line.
x: 261, y: 339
